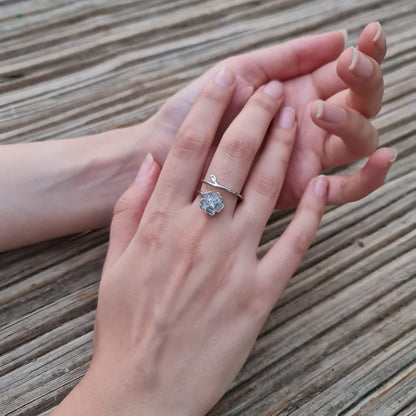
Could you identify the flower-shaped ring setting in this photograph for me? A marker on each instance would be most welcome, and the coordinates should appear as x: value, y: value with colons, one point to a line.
x: 211, y: 202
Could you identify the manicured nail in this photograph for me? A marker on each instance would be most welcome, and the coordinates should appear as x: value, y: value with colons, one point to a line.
x: 225, y: 77
x: 360, y: 64
x: 378, y: 33
x: 145, y: 167
x: 344, y: 33
x: 330, y: 113
x: 321, y: 186
x: 393, y: 155
x: 274, y: 89
x: 319, y: 108
x: 287, y: 118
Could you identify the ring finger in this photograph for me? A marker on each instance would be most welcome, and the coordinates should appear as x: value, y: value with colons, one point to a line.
x: 263, y: 187
x: 232, y: 161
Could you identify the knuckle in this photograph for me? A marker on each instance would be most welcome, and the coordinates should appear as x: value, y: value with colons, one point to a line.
x: 254, y: 300
x: 239, y: 146
x: 368, y: 98
x: 286, y: 139
x: 252, y: 218
x: 265, y: 185
x: 376, y: 138
x: 375, y: 108
x: 260, y: 302
x: 373, y: 141
x: 265, y: 102
x: 213, y: 92
x: 168, y: 109
x: 189, y: 142
x: 369, y: 112
x: 152, y: 230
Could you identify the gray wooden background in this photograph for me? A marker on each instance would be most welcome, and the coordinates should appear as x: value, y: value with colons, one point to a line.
x: 342, y: 339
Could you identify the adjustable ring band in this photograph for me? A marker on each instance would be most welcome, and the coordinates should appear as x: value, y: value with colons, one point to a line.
x: 211, y: 202
x: 215, y: 184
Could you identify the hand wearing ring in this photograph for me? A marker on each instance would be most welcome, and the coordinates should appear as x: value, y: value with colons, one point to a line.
x: 183, y: 298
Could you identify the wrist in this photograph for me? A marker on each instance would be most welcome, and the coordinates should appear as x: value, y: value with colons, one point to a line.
x: 66, y: 186
x: 96, y: 170
x: 112, y: 160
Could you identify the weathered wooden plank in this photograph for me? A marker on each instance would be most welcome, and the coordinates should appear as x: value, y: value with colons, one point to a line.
x: 284, y: 387
x: 49, y: 340
x: 410, y: 410
x: 354, y: 222
x: 331, y: 311
x: 22, y: 289
x: 386, y: 399
x: 48, y: 317
x: 329, y: 359
x: 20, y: 264
x: 336, y: 273
x: 134, y: 77
x: 54, y: 373
x: 341, y: 339
x: 369, y: 378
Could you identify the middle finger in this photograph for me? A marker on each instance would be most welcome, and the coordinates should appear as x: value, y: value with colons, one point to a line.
x: 235, y: 153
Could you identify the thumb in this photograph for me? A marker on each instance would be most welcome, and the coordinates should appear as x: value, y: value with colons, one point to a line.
x: 129, y: 209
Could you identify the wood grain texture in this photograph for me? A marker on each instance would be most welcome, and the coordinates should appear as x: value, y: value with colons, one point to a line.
x: 342, y: 339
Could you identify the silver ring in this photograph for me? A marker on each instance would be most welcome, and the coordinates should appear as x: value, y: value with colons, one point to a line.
x: 215, y: 184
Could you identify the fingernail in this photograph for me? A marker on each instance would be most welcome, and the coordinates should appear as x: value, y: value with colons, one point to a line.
x: 378, y: 33
x: 321, y: 186
x: 225, y: 77
x: 360, y: 64
x: 145, y: 167
x: 274, y: 89
x: 287, y: 118
x: 394, y: 155
x: 344, y: 33
x: 330, y: 113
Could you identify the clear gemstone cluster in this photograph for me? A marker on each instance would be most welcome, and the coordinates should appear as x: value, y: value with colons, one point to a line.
x: 211, y: 203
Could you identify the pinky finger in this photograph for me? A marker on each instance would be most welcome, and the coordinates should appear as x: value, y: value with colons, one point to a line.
x: 129, y: 209
x: 343, y: 189
x: 282, y: 260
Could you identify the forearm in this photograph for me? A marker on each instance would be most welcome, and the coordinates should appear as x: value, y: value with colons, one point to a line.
x: 54, y: 188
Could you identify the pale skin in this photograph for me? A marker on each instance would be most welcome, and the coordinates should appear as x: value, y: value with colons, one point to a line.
x: 69, y: 186
x: 183, y: 295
